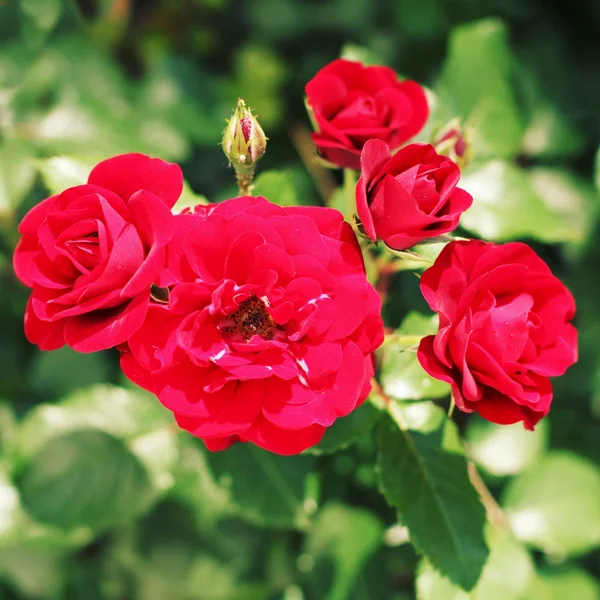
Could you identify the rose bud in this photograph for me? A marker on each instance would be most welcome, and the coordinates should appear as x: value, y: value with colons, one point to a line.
x: 244, y: 141
x: 453, y: 141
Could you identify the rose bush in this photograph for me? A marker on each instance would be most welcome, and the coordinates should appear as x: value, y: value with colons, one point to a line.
x: 270, y: 326
x: 351, y: 103
x: 91, y: 253
x: 504, y: 329
x: 410, y: 196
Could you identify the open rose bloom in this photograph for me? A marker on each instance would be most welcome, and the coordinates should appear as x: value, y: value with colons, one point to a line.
x: 270, y: 326
x: 504, y: 329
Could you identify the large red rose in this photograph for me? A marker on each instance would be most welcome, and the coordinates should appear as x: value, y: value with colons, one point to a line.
x: 504, y: 329
x: 351, y: 103
x: 410, y: 196
x: 270, y: 326
x: 91, y: 253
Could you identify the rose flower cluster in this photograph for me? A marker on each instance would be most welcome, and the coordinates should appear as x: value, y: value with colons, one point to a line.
x: 253, y: 322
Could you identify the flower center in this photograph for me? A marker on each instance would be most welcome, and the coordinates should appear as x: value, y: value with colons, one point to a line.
x: 251, y: 318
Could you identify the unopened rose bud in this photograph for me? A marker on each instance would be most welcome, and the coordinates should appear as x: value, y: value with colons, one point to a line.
x: 453, y: 141
x: 244, y: 141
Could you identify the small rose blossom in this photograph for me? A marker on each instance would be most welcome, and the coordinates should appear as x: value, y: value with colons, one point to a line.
x: 405, y: 198
x: 91, y: 253
x: 350, y: 103
x: 504, y: 329
x: 270, y: 327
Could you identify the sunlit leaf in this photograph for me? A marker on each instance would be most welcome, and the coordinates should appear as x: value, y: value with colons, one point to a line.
x: 505, y: 449
x: 343, y: 536
x: 84, y: 478
x: 402, y: 376
x: 266, y: 488
x: 426, y: 480
x: 554, y: 505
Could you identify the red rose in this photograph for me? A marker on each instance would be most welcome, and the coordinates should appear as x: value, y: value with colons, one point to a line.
x: 351, y: 103
x: 268, y: 334
x: 504, y: 329
x: 91, y: 253
x: 410, y: 196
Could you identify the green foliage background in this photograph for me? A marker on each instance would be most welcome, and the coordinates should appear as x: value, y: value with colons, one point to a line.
x: 102, y: 498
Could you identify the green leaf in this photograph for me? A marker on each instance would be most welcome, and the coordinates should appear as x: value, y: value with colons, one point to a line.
x: 267, y: 489
x: 562, y: 584
x: 507, y: 574
x: 511, y: 203
x: 348, y: 430
x: 426, y: 480
x: 36, y: 572
x: 64, y: 370
x: 277, y: 187
x: 44, y: 13
x: 402, y: 376
x: 85, y: 478
x: 360, y: 54
x: 17, y: 175
x: 550, y: 134
x: 505, y: 449
x: 573, y: 200
x: 346, y: 537
x: 62, y: 172
x: 134, y: 416
x: 554, y: 505
x: 476, y: 84
x: 597, y: 171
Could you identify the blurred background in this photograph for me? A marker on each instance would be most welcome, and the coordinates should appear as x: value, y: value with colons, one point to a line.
x: 100, y: 496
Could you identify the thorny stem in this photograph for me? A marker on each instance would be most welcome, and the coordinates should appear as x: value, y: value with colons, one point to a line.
x: 350, y: 193
x: 244, y: 181
x: 495, y: 514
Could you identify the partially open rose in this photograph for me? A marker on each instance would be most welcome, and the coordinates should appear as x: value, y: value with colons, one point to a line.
x: 91, y: 253
x: 504, y: 329
x: 352, y: 103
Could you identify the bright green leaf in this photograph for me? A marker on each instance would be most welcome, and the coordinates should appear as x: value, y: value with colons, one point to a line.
x: 84, y: 478
x: 505, y: 449
x: 554, y: 506
x: 511, y: 203
x: 348, y: 430
x: 573, y: 200
x: 346, y: 537
x: 476, y: 85
x: 276, y: 186
x: 429, y: 486
x: 17, y: 174
x: 62, y: 172
x: 507, y: 574
x: 64, y: 370
x: 567, y: 584
x: 132, y: 415
x: 36, y: 572
x: 360, y: 54
x: 550, y: 134
x: 123, y: 413
x: 402, y: 376
x: 44, y: 13
x: 266, y: 488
